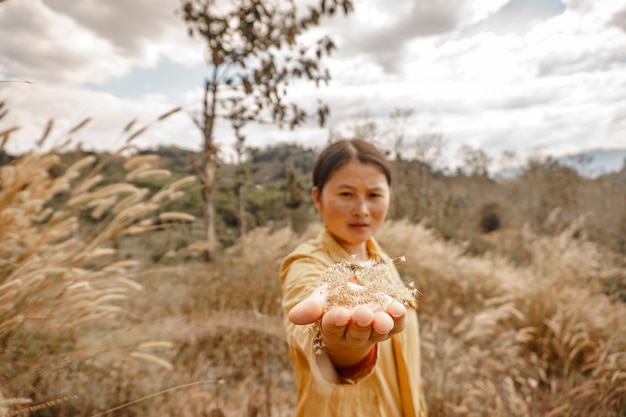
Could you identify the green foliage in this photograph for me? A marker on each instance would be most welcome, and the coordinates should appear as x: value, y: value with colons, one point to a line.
x: 295, y: 192
x: 545, y: 197
x: 265, y: 203
x: 300, y: 158
x: 490, y: 220
x: 175, y: 159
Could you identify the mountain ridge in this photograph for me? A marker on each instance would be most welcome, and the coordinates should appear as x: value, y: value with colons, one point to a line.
x: 595, y: 162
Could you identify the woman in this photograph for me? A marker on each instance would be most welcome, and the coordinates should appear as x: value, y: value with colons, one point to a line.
x: 370, y: 362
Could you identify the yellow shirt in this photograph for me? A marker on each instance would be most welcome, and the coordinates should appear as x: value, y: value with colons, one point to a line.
x: 321, y: 392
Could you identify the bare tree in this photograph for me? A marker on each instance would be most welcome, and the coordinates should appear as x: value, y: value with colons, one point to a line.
x: 429, y: 148
x: 254, y: 51
x: 397, y: 130
x: 242, y: 175
x: 474, y: 161
x: 295, y: 192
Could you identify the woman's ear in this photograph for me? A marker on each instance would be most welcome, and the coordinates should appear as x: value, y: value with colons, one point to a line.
x: 316, y: 198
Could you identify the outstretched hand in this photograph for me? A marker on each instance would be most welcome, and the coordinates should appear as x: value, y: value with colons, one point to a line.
x: 349, y: 333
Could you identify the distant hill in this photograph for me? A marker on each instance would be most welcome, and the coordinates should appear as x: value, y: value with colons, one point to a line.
x: 595, y: 162
x: 591, y: 164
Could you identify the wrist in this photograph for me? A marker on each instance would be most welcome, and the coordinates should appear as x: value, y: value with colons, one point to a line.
x: 361, y: 368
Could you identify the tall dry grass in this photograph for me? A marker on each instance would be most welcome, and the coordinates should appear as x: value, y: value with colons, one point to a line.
x: 497, y: 339
x: 62, y: 286
x: 518, y: 341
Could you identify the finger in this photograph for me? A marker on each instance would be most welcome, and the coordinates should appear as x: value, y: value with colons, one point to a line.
x: 309, y: 310
x: 382, y: 325
x: 398, y: 313
x: 335, y: 323
x: 360, y: 328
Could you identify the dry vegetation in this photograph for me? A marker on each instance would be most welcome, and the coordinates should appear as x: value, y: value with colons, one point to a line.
x: 518, y: 341
x: 85, y: 331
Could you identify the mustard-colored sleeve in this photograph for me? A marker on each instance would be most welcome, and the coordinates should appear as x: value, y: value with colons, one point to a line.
x: 299, y: 277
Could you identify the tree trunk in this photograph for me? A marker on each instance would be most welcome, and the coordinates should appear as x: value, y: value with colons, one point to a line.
x: 240, y: 179
x: 209, y: 171
x: 241, y: 208
x: 209, y: 210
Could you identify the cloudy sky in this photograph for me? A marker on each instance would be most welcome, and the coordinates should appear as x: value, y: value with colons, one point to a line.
x: 535, y: 77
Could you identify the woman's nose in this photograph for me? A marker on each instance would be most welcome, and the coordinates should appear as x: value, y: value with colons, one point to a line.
x: 360, y: 207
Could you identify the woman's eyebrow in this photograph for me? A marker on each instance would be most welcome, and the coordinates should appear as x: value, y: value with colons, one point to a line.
x: 346, y: 185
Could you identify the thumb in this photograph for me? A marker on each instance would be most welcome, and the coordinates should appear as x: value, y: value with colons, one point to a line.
x: 310, y: 309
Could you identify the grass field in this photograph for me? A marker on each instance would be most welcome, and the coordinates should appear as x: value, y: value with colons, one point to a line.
x: 112, y: 319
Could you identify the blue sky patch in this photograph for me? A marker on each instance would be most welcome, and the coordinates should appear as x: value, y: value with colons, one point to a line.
x: 165, y: 77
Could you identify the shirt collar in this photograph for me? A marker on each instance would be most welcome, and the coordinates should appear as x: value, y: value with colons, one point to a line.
x: 338, y: 254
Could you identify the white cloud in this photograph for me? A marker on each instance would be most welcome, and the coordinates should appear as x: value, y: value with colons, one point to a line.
x: 31, y: 106
x: 525, y: 75
x: 91, y: 42
x: 381, y: 29
x: 41, y: 45
x: 479, y: 10
x: 127, y: 25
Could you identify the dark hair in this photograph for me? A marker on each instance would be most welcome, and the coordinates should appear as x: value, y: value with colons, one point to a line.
x: 343, y: 151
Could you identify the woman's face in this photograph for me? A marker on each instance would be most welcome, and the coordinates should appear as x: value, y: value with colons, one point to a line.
x: 353, y: 204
